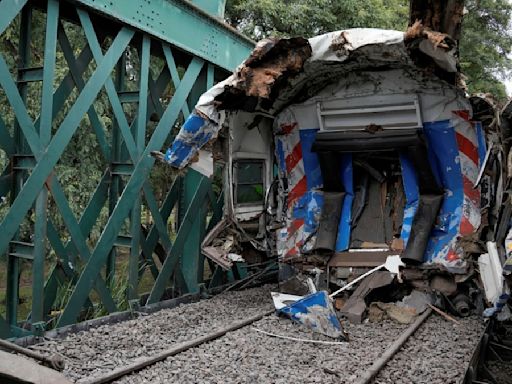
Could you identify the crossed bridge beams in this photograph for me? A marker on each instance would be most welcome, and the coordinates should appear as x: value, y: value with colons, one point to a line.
x: 37, y: 145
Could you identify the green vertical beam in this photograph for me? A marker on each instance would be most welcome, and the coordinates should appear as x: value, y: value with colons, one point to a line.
x: 45, y: 130
x: 143, y: 94
x: 140, y: 134
x: 52, y: 22
x: 210, y: 76
x: 191, y: 258
x: 115, y: 180
x: 13, y: 263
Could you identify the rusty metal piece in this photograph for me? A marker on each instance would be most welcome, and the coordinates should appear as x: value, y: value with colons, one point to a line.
x: 355, y: 306
x: 461, y: 303
x: 444, y: 284
x: 216, y: 254
x: 359, y: 259
x: 54, y: 361
x: 443, y: 314
x: 17, y: 369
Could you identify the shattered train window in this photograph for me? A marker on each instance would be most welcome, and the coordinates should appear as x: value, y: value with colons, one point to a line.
x: 249, y: 181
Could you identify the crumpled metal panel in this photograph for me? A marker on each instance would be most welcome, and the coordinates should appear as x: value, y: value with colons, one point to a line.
x: 455, y: 160
x: 282, y: 71
x: 316, y: 311
x: 193, y: 135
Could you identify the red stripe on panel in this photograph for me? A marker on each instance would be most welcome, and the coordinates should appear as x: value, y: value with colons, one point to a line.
x: 294, y: 157
x: 297, y: 191
x: 468, y: 148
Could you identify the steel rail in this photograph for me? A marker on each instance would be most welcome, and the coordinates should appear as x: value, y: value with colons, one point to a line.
x: 54, y: 361
x: 178, y: 348
x: 393, y: 349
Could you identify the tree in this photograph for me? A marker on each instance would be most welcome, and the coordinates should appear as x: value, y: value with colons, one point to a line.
x: 264, y: 18
x: 485, y: 45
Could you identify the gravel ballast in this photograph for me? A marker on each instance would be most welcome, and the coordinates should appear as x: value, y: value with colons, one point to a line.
x: 438, y: 352
x: 99, y: 350
x: 247, y: 356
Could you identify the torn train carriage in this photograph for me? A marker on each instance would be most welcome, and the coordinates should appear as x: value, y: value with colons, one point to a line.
x: 345, y: 148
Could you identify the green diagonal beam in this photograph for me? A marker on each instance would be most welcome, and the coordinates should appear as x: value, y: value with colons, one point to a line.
x: 152, y: 237
x: 76, y: 73
x: 86, y: 223
x: 157, y: 217
x: 115, y: 103
x: 42, y: 170
x: 38, y: 148
x: 177, y: 248
x: 132, y: 147
x: 171, y: 64
x: 131, y: 191
x: 79, y: 240
x: 9, y: 9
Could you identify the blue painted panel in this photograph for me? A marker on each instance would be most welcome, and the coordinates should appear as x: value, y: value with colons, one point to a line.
x: 445, y: 162
x: 194, y: 133
x: 410, y: 182
x: 311, y: 164
x: 482, y: 147
x: 315, y: 311
x: 344, y: 228
x: 281, y: 163
x: 309, y: 208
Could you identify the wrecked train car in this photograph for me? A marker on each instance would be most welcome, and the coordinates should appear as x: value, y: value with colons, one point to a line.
x: 343, y: 149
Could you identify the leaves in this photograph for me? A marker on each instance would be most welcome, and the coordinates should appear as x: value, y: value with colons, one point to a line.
x: 486, y: 42
x: 265, y: 18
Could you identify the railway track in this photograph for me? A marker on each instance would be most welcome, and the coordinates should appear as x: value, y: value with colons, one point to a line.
x: 238, y: 345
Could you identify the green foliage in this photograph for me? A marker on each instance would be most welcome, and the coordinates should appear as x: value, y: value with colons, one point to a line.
x: 265, y: 18
x: 486, y: 42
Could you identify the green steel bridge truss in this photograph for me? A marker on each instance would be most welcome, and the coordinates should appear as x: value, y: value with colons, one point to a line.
x: 197, y: 50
